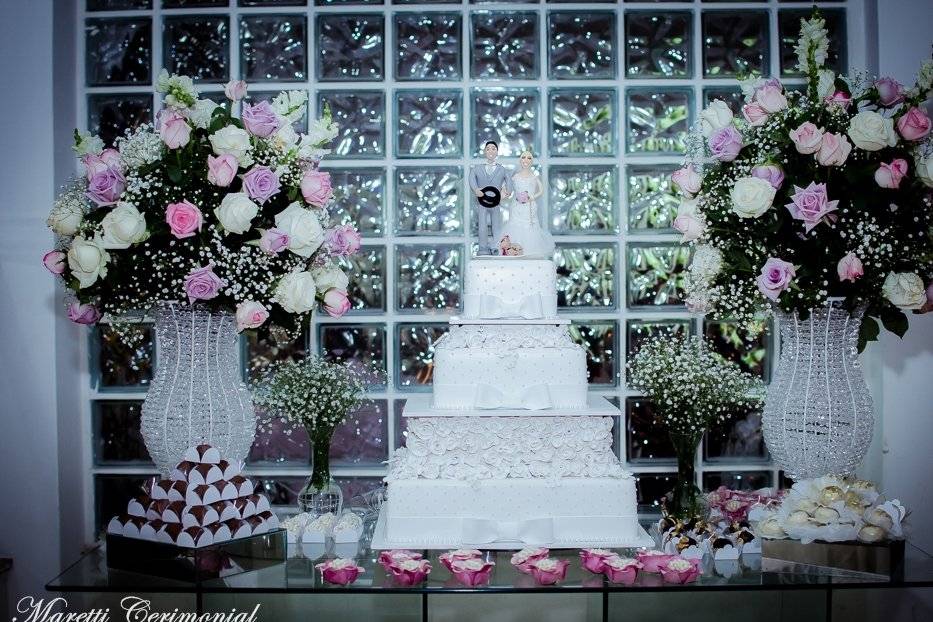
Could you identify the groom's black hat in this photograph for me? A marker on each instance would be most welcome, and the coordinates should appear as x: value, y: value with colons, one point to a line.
x: 491, y: 142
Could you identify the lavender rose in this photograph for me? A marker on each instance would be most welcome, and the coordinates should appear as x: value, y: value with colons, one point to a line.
x: 83, y: 314
x: 890, y: 91
x: 106, y: 186
x: 274, y: 241
x: 342, y: 241
x: 811, y: 205
x: 260, y: 120
x: 771, y: 173
x: 725, y: 143
x: 261, y: 183
x: 203, y: 284
x: 775, y: 277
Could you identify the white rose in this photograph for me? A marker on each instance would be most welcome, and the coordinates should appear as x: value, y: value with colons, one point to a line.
x: 236, y: 212
x: 826, y: 83
x: 65, y: 218
x: 200, y: 114
x: 330, y: 276
x: 285, y: 138
x: 751, y: 197
x: 87, y: 261
x: 88, y: 144
x: 715, y: 116
x: 904, y: 290
x: 232, y: 140
x: 123, y: 226
x: 304, y: 230
x: 295, y: 292
x: 322, y: 131
x: 925, y: 170
x: 290, y: 105
x: 871, y: 132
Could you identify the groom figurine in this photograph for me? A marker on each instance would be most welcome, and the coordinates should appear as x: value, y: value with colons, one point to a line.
x: 489, y: 182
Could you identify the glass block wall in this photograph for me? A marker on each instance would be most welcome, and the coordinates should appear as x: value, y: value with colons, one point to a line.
x: 603, y: 93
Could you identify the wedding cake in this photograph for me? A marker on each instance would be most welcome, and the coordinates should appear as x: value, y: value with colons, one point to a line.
x: 510, y: 449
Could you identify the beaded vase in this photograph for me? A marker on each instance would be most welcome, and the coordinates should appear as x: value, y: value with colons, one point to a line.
x: 197, y: 394
x: 818, y: 411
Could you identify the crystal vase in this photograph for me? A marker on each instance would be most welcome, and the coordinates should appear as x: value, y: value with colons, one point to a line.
x: 197, y: 394
x: 685, y: 500
x: 320, y: 494
x: 818, y: 411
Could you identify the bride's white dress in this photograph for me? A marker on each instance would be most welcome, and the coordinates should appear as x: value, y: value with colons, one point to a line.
x: 523, y: 226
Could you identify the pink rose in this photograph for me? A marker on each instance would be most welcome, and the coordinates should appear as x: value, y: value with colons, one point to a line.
x: 811, y: 205
x: 771, y: 98
x: 807, y: 138
x: 548, y: 571
x: 108, y: 158
x: 687, y: 180
x: 928, y: 305
x: 336, y: 302
x: 471, y: 572
x: 775, y: 277
x: 410, y: 572
x: 522, y: 559
x: 250, y: 314
x: 680, y: 570
x: 652, y: 561
x: 771, y: 173
x: 183, y: 219
x: 594, y: 559
x: 173, y: 128
x: 221, y: 169
x: 387, y: 558
x: 688, y: 224
x: 890, y: 175
x: 754, y: 114
x: 316, y: 188
x: 839, y: 98
x: 850, y: 268
x: 890, y: 91
x: 621, y: 570
x: 725, y: 143
x: 105, y: 187
x: 260, y: 120
x: 203, y: 284
x: 834, y: 150
x: 274, y: 240
x: 54, y: 262
x: 458, y: 555
x: 235, y: 90
x: 342, y: 240
x: 83, y: 314
x: 914, y: 124
x: 261, y: 183
x: 339, y: 571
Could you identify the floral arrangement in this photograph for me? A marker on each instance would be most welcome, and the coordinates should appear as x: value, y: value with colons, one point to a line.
x: 731, y: 506
x: 204, y: 207
x: 312, y: 393
x: 833, y: 509
x: 812, y: 196
x: 508, y: 248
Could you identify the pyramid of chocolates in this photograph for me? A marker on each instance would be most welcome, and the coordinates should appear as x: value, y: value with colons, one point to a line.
x: 206, y: 500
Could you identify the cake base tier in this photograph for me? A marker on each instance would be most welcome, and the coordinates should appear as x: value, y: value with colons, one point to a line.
x: 510, y: 514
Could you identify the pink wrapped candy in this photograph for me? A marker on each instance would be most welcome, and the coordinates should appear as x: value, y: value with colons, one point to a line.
x: 339, y: 571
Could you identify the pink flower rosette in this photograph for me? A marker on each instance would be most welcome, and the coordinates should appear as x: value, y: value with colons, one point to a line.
x: 410, y: 572
x: 679, y: 570
x: 339, y: 571
x: 471, y: 572
x: 548, y: 571
x: 593, y: 559
x: 651, y: 561
x: 458, y: 555
x: 522, y: 559
x: 621, y: 569
x: 387, y: 558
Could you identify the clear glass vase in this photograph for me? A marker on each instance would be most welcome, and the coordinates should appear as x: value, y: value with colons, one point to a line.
x: 818, y: 411
x: 685, y: 501
x: 197, y: 394
x: 320, y: 494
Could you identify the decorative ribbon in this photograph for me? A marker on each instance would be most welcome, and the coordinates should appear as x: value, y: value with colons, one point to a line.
x: 535, y: 397
x: 484, y: 531
x: 493, y: 307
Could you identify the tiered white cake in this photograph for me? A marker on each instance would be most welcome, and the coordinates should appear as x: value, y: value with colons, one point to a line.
x: 510, y: 450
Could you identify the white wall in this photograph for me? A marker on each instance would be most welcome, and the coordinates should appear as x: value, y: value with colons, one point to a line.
x: 29, y: 510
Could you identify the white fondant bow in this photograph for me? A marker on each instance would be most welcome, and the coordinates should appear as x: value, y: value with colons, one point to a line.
x: 493, y: 307
x: 531, y: 531
x: 535, y: 397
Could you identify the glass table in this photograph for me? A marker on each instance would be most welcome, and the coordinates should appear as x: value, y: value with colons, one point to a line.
x: 752, y: 587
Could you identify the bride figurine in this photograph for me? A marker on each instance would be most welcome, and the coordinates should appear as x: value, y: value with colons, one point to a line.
x: 522, y: 235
